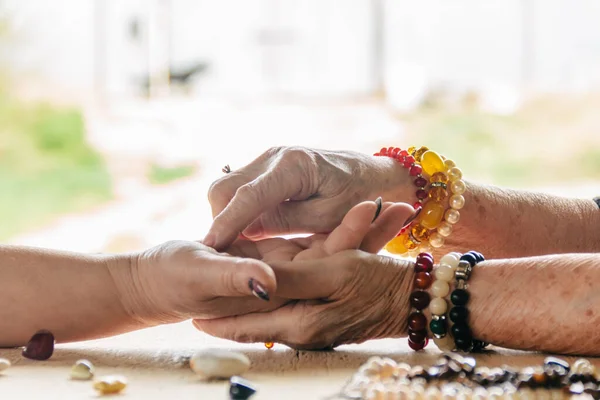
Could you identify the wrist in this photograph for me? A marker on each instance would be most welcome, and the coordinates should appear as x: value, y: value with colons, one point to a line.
x: 400, y: 299
x: 392, y: 181
x: 123, y: 271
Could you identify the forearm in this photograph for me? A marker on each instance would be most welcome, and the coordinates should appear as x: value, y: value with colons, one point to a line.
x: 504, y: 223
x: 547, y: 303
x: 71, y: 295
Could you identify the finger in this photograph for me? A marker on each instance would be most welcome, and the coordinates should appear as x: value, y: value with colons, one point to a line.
x: 277, y: 326
x: 353, y: 228
x: 387, y: 226
x: 234, y: 276
x: 250, y: 201
x: 293, y: 217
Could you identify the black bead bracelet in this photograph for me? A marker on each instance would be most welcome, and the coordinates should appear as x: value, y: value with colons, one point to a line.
x: 459, y: 313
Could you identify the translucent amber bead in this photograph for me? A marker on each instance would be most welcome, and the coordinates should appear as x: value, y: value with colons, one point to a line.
x: 438, y: 193
x: 409, y: 244
x: 458, y: 187
x: 444, y: 229
x: 411, y: 149
x: 420, y: 233
x: 269, y: 345
x: 431, y: 215
x: 396, y: 245
x: 419, y: 153
x: 110, y: 384
x: 436, y: 240
x: 432, y: 163
x: 457, y: 201
x: 439, y: 177
x: 449, y: 164
x: 452, y: 216
x: 414, y: 252
x: 425, y: 247
x: 454, y: 174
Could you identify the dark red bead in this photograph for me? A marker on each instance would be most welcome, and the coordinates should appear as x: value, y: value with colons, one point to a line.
x: 417, y: 321
x: 383, y: 151
x: 421, y: 194
x: 417, y: 205
x: 408, y: 161
x: 423, y: 264
x: 425, y: 255
x: 420, y: 182
x: 40, y: 346
x: 422, y: 280
x: 415, y: 170
x: 419, y: 299
x: 417, y: 346
x: 417, y: 336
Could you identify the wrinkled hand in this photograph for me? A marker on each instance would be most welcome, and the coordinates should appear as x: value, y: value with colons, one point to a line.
x: 349, y: 297
x: 298, y: 190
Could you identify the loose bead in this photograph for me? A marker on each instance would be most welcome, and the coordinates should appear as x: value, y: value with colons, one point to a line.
x: 420, y: 182
x: 40, y: 346
x: 417, y: 321
x: 444, y: 273
x: 415, y: 170
x: 110, y: 384
x: 459, y: 297
x: 439, y: 177
x: 419, y: 299
x: 431, y: 215
x: 454, y: 174
x: 82, y: 370
x: 452, y: 216
x: 438, y: 306
x: 438, y: 194
x: 451, y: 260
x: 4, y: 364
x: 458, y: 187
x: 422, y: 280
x: 420, y: 233
x: 440, y: 288
x: 396, y: 246
x: 457, y: 201
x: 459, y: 314
x: 444, y: 229
x: 432, y: 163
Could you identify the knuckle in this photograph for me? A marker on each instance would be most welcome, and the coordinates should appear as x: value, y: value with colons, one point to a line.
x: 218, y: 190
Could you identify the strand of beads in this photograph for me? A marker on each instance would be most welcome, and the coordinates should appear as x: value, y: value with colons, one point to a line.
x: 419, y: 300
x: 440, y: 289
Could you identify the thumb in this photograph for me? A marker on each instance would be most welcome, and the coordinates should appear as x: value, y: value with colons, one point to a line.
x: 227, y: 276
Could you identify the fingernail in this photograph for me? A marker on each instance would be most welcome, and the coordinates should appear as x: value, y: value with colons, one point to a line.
x: 412, y: 217
x: 378, y: 211
x: 258, y: 290
x: 209, y: 240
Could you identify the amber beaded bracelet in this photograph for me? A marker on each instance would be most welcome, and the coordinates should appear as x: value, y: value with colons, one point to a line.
x: 419, y: 300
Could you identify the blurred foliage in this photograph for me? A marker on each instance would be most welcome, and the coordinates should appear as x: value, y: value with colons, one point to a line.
x: 159, y: 175
x: 46, y: 166
x: 550, y: 140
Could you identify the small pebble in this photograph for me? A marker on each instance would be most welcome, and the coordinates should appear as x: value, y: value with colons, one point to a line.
x: 4, y: 364
x: 211, y: 364
x: 240, y: 389
x: 112, y: 384
x: 40, y: 346
x: 82, y: 370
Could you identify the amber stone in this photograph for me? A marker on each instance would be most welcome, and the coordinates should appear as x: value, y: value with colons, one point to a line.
x: 420, y: 233
x: 409, y: 244
x: 269, y: 345
x: 396, y: 245
x: 40, y: 346
x: 438, y: 194
x: 439, y: 177
x: 432, y: 163
x: 422, y: 280
x: 419, y: 153
x: 431, y: 215
x: 417, y: 321
x: 419, y: 299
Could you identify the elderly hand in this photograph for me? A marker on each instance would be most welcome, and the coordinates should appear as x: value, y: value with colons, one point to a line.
x: 298, y: 190
x: 349, y: 297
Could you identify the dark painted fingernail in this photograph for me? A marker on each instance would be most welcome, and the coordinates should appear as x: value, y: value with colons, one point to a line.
x: 258, y: 290
x: 412, y: 217
x: 40, y: 346
x: 378, y: 211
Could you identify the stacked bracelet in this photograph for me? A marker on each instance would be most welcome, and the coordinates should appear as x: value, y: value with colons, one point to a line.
x: 419, y: 300
x: 440, y: 289
x: 435, y: 221
x: 459, y: 314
